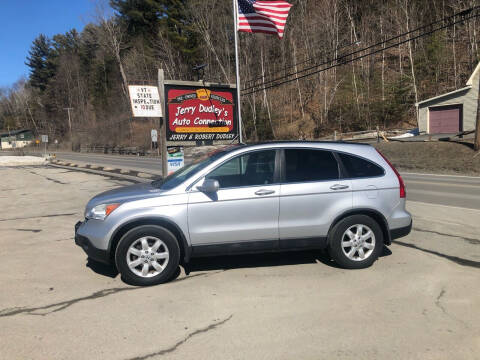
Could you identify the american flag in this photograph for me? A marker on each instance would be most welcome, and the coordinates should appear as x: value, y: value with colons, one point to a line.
x: 263, y: 16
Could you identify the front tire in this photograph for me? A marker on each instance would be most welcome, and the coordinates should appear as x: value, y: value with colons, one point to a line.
x: 355, y: 242
x: 147, y: 255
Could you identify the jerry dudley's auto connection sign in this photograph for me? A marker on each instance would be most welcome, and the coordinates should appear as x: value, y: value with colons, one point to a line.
x: 198, y: 113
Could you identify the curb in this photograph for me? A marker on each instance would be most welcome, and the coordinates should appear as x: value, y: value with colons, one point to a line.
x: 123, y: 174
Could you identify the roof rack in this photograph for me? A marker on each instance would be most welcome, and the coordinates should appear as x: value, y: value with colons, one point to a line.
x: 308, y: 142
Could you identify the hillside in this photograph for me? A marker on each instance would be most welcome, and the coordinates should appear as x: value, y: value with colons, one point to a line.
x: 89, y: 71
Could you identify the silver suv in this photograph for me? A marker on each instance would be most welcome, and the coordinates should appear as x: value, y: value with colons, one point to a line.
x: 279, y: 196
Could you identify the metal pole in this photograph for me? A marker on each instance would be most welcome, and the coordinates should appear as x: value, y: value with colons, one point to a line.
x: 163, y: 124
x: 237, y: 72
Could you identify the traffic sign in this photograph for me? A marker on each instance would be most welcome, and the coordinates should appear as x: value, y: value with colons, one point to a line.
x: 44, y: 138
x: 154, y: 135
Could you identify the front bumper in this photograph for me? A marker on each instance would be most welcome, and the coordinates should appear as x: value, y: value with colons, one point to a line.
x: 87, y: 246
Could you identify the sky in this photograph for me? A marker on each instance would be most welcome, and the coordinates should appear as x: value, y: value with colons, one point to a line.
x: 23, y: 20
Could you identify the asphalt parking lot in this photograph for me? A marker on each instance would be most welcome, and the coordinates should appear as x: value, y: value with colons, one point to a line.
x: 420, y: 300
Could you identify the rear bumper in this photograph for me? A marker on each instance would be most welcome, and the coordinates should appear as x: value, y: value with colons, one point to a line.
x: 400, y: 232
x: 87, y: 246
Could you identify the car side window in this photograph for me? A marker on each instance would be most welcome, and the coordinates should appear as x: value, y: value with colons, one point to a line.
x: 255, y: 168
x: 310, y: 165
x: 360, y: 168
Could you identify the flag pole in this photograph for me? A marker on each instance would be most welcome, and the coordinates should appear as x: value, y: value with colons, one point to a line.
x: 237, y: 72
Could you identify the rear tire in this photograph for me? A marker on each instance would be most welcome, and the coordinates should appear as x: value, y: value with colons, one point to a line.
x: 147, y: 255
x: 355, y: 242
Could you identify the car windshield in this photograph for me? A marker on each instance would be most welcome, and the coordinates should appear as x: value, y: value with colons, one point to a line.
x: 186, y: 172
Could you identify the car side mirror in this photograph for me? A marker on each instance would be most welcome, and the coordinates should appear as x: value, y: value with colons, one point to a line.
x: 209, y: 186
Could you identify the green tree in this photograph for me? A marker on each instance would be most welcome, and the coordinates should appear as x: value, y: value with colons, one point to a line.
x: 147, y: 18
x: 142, y: 17
x: 40, y: 60
x: 179, y: 27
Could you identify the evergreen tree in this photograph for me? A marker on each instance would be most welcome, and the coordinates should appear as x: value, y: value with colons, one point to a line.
x: 142, y: 17
x: 146, y: 18
x: 40, y: 60
x: 178, y: 25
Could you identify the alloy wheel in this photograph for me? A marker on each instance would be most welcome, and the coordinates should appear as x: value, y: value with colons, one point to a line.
x: 147, y: 256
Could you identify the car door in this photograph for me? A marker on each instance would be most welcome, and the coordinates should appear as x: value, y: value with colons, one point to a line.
x: 243, y: 214
x: 312, y: 194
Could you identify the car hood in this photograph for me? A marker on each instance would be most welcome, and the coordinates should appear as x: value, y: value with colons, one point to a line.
x: 124, y: 194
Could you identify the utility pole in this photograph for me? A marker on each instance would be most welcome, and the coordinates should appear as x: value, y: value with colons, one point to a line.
x: 69, y: 120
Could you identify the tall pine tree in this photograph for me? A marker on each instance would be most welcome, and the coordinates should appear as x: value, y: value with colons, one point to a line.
x: 41, y: 62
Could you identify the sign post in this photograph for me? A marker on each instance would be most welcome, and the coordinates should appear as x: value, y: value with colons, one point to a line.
x: 45, y: 141
x: 145, y: 102
x: 163, y: 136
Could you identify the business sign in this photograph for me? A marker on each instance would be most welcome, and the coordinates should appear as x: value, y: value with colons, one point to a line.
x: 197, y: 113
x: 175, y: 158
x: 44, y: 138
x: 145, y: 101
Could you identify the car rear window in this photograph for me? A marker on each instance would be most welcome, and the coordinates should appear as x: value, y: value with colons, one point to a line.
x: 360, y: 168
x: 310, y: 165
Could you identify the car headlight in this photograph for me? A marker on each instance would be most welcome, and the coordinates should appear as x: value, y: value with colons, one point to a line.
x: 100, y: 212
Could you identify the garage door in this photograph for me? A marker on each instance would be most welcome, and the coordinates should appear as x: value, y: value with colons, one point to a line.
x: 445, y: 120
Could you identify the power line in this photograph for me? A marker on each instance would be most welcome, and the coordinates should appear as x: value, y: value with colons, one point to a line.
x: 461, y: 14
x: 254, y: 80
x: 343, y: 59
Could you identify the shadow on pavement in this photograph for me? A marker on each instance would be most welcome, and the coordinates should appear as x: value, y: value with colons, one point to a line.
x: 102, y: 269
x: 240, y: 261
x: 266, y: 259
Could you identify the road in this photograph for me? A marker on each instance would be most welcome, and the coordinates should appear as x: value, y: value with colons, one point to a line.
x: 460, y: 191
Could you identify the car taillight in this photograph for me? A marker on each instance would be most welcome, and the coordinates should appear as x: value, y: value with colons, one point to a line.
x: 403, y: 191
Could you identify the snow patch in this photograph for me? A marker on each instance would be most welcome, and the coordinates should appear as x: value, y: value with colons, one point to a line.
x: 22, y: 160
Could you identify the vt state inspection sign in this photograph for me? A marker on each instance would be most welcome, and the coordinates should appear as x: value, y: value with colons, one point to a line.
x: 145, y: 101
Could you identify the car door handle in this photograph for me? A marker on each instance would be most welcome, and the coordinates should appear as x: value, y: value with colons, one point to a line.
x: 339, y: 187
x: 263, y: 192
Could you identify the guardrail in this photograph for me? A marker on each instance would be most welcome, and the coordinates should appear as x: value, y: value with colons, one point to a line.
x: 108, y: 149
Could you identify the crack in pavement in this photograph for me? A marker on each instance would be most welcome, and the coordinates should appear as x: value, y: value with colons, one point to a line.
x: 441, y: 307
x: 31, y: 230
x: 455, y: 259
x: 437, y: 302
x: 63, y: 304
x: 469, y: 240
x: 66, y: 304
x: 37, y: 217
x: 184, y: 340
x: 69, y: 239
x: 50, y: 179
